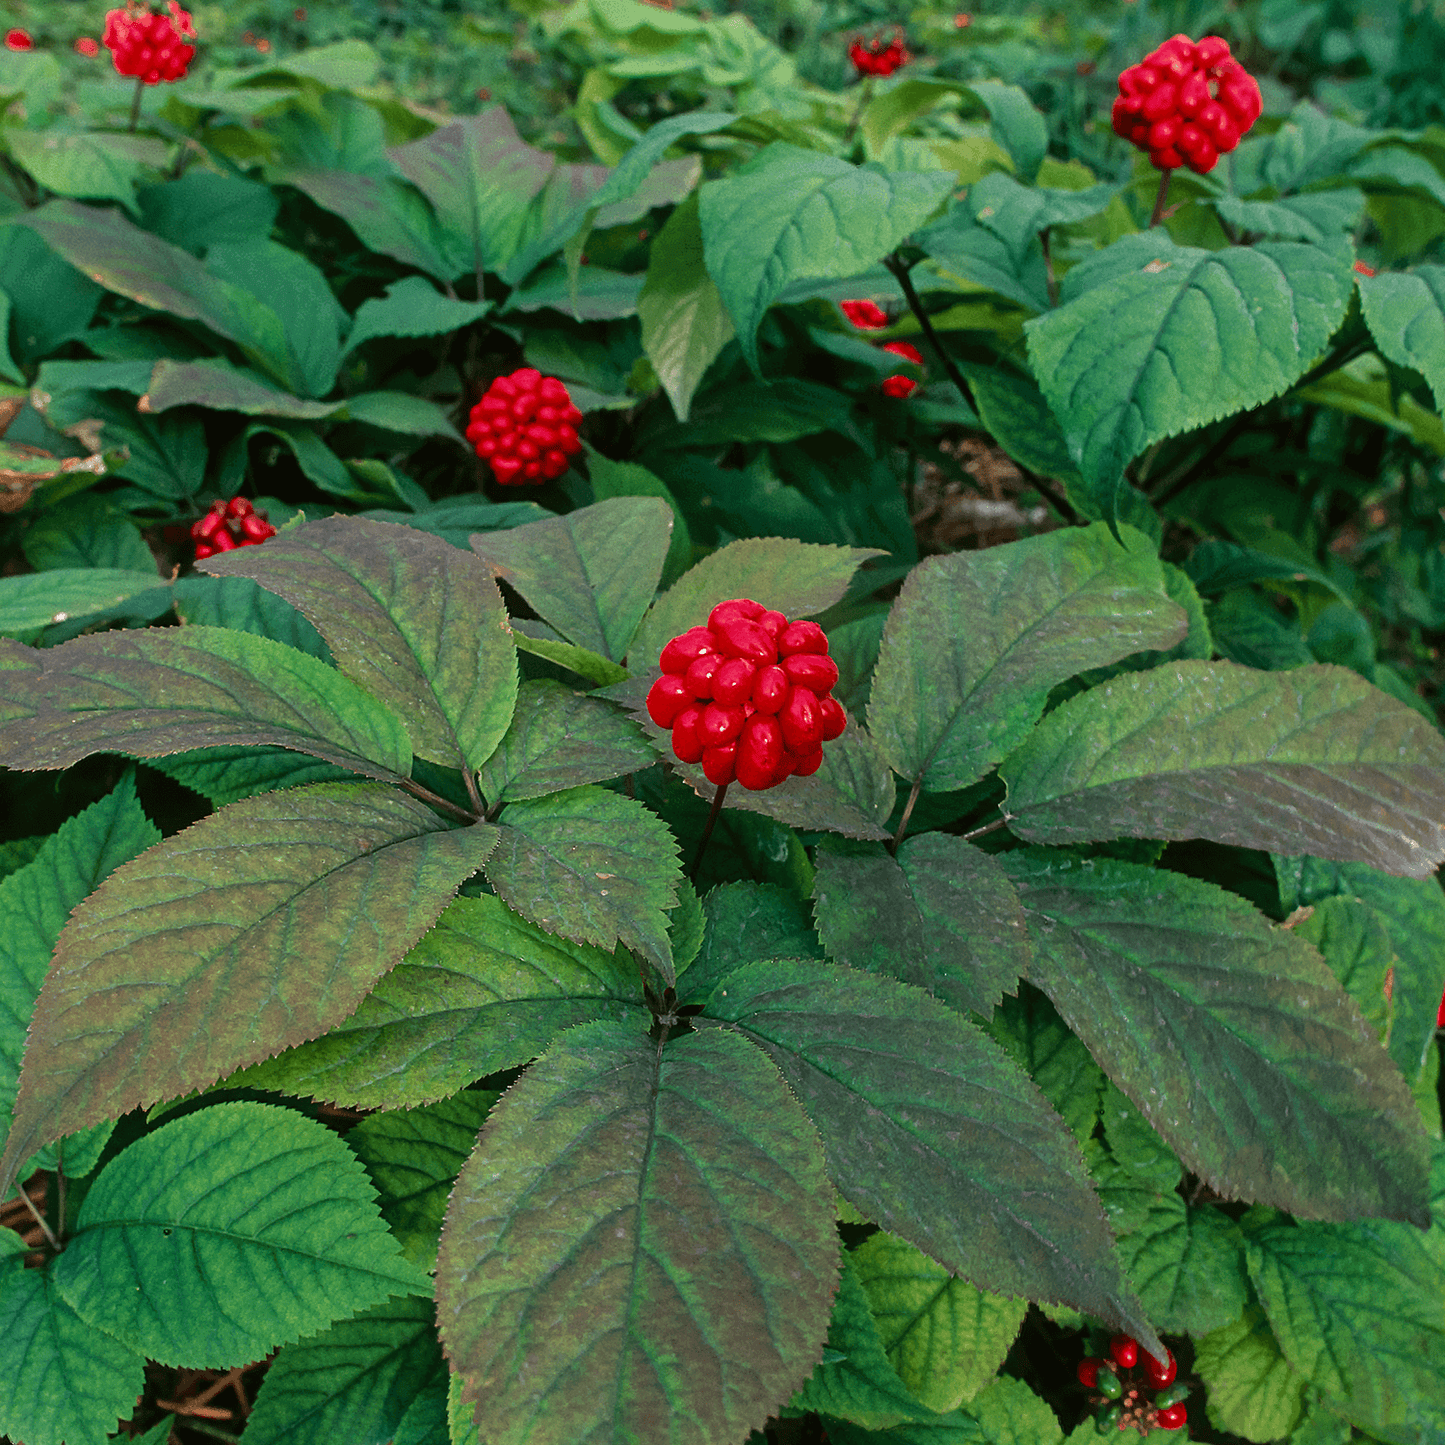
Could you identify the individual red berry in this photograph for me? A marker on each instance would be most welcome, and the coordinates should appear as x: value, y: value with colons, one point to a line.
x: 150, y: 46
x: 760, y: 750
x: 770, y: 689
x: 1440, y: 1016
x: 1088, y: 1372
x: 1363, y: 269
x: 802, y: 722
x: 773, y: 623
x: 733, y: 682
x: 686, y: 743
x: 686, y: 648
x: 701, y: 674
x: 802, y: 637
x: 741, y: 638
x: 865, y: 315
x: 809, y: 763
x: 1171, y: 1417
x: 835, y: 719
x: 223, y: 541
x: 1160, y: 1375
x: 255, y: 530
x: 524, y: 427
x: 18, y: 39
x: 720, y: 725
x: 905, y: 349
x: 815, y: 671
x: 1125, y: 1350
x: 719, y: 764
x: 668, y: 697
x: 735, y: 607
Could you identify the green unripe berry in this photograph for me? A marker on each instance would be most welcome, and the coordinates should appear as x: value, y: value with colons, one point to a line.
x: 1108, y: 1384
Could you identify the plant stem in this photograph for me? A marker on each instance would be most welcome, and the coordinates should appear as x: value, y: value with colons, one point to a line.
x: 135, y: 103
x: 910, y: 294
x: 436, y: 800
x: 712, y: 817
x: 863, y: 98
x: 907, y: 814
x: 40, y: 1220
x: 1049, y: 277
x: 478, y: 806
x: 987, y: 828
x: 1160, y: 198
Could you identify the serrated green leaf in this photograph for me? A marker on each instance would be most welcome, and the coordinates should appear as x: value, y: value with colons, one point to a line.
x: 425, y: 1420
x: 1006, y: 1413
x: 1154, y: 339
x: 65, y: 1383
x: 227, y: 1232
x: 1312, y: 760
x: 353, y: 1382
x: 243, y: 606
x: 167, y: 690
x: 684, y: 322
x: 862, y: 1386
x: 627, y: 479
x: 1015, y: 123
x: 31, y: 602
x: 1013, y: 409
x: 964, y: 248
x: 591, y: 866
x: 413, y: 1157
x: 798, y: 579
x: 481, y: 992
x: 417, y: 623
x: 412, y: 307
x: 590, y: 666
x: 217, y: 384
x: 791, y: 214
x: 746, y: 922
x: 942, y: 915
x: 1413, y: 913
x: 1228, y: 1033
x: 652, y: 1230
x: 933, y: 1132
x: 1252, y: 1390
x: 226, y: 775
x: 976, y: 641
x: 36, y: 900
x: 945, y: 1338
x: 256, y: 928
x: 561, y: 739
x: 1405, y: 311
x: 1359, y: 1312
x: 1317, y: 217
x: 591, y: 574
x: 1352, y: 939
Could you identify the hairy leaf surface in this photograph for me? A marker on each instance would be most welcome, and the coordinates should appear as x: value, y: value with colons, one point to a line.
x: 255, y: 928
x: 641, y: 1247
x: 1229, y: 1034
x: 226, y: 1232
x: 1312, y: 760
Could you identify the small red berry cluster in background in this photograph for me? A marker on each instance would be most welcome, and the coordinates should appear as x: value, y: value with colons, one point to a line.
x: 749, y: 696
x: 1187, y: 103
x: 88, y: 46
x: 526, y: 427
x: 869, y: 316
x: 18, y: 39
x: 865, y: 315
x: 1154, y: 1401
x: 150, y: 46
x: 875, y: 58
x: 229, y: 525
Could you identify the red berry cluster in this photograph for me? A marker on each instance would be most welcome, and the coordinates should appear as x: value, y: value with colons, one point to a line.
x: 526, y: 427
x: 147, y: 45
x: 18, y: 39
x: 229, y: 525
x: 1187, y: 103
x: 900, y: 385
x: 875, y: 58
x: 1154, y: 1401
x: 748, y: 696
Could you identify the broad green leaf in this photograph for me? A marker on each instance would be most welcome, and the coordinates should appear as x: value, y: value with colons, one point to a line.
x: 1216, y: 566
x: 560, y: 739
x: 1017, y: 213
x: 1154, y: 339
x: 156, y: 691
x: 602, y: 294
x: 425, y: 1419
x: 65, y: 1383
x: 791, y: 214
x: 1352, y: 939
x: 651, y: 1230
x: 30, y: 602
x: 86, y: 531
x: 256, y: 928
x: 1312, y: 760
x: 1363, y: 388
x: 859, y: 1384
x: 591, y: 574
x: 684, y: 322
x: 201, y: 207
x: 1006, y: 1413
x: 1317, y: 217
x: 353, y: 1382
x: 962, y: 247
x: 215, y: 383
x: 1016, y: 124
x: 1228, y: 1033
x: 35, y: 902
x: 226, y: 775
x: 401, y: 412
x: 626, y: 479
x: 976, y: 640
x: 932, y: 1132
x: 945, y: 1338
x: 797, y: 579
x: 1405, y: 311
x: 133, y: 263
x: 412, y: 307
x: 417, y: 623
x: 761, y: 411
x: 591, y: 866
x: 1013, y: 408
x: 746, y: 922
x: 1359, y: 1312
x: 483, y: 991
x: 226, y: 1232
x: 238, y: 603
x: 1251, y: 1388
x: 86, y: 164
x: 591, y: 666
x: 942, y: 915
x: 413, y: 1157
x: 1413, y: 913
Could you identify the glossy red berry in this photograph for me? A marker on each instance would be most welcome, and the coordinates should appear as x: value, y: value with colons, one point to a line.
x: 525, y: 427
x: 1160, y: 1375
x: 18, y: 39
x: 149, y: 45
x: 1088, y: 1372
x: 865, y: 315
x: 739, y: 711
x: 1172, y: 1417
x: 1125, y: 1350
x: 228, y: 525
x: 900, y: 385
x: 1186, y: 103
